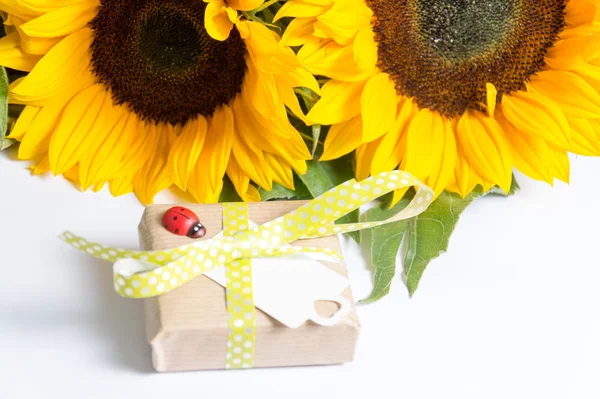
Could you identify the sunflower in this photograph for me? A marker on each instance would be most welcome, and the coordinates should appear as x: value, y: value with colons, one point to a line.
x: 457, y: 92
x: 144, y: 94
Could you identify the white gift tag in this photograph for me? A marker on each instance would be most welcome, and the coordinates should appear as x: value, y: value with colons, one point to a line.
x: 287, y: 289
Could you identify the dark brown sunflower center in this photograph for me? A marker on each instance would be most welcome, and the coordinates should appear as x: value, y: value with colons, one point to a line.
x: 442, y: 53
x: 156, y: 56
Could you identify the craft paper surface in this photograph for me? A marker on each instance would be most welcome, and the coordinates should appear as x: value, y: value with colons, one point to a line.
x: 187, y: 327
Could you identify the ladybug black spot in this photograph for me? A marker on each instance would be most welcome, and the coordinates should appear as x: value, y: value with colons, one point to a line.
x: 174, y: 217
x: 182, y: 209
x: 176, y: 231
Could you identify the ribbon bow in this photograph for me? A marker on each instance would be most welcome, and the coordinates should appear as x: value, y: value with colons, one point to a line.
x: 314, y: 219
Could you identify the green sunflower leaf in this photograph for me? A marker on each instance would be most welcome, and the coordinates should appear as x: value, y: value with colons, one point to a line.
x: 280, y: 192
x: 383, y: 244
x: 323, y: 176
x: 4, y: 142
x: 428, y: 234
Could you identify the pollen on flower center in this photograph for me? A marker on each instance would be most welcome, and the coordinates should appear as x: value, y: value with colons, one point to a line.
x: 156, y: 56
x: 442, y: 53
x: 461, y: 29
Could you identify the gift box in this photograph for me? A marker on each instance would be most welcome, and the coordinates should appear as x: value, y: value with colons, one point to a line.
x: 187, y: 328
x: 287, y: 300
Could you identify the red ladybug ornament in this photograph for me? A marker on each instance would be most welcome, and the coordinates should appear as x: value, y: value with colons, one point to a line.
x: 181, y: 221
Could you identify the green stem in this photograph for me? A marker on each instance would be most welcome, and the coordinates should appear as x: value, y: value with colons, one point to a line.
x: 306, y: 136
x: 264, y: 6
x: 250, y: 15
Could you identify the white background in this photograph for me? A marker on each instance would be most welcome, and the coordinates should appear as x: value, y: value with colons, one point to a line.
x: 512, y: 311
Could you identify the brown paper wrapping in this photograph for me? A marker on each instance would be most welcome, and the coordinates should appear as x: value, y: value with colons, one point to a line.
x: 187, y: 327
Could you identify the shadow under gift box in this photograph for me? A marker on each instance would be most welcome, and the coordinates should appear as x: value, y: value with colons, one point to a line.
x: 187, y: 327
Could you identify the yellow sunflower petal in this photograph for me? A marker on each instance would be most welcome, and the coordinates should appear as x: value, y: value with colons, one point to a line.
x: 343, y: 138
x: 393, y: 145
x: 284, y: 140
x: 104, y: 163
x: 297, y: 32
x: 20, y: 127
x: 340, y: 101
x: 591, y: 74
x: 18, y: 7
x: 482, y: 143
x: 13, y: 56
x: 41, y: 167
x: 343, y: 36
x: 154, y: 176
x: 378, y: 106
x: 72, y: 175
x: 200, y: 187
x: 596, y: 125
x: 577, y: 46
x: 253, y: 126
x: 534, y: 114
x: 421, y: 136
x: 281, y: 170
x: 266, y: 51
x: 116, y: 154
x: 430, y: 149
x: 289, y: 98
x: 252, y: 163
x: 582, y: 101
x: 217, y: 20
x: 562, y: 165
x: 443, y: 172
x: 217, y: 148
x: 65, y: 69
x: 244, y: 5
x: 37, y: 46
x: 365, y: 50
x: 62, y: 21
x: 241, y: 182
x: 465, y: 177
x: 530, y: 153
x: 111, y: 118
x: 343, y: 20
x: 121, y: 186
x: 186, y: 150
x: 131, y: 152
x: 299, y: 78
x: 263, y: 90
x: 364, y: 158
x: 73, y: 136
x: 300, y: 9
x: 37, y: 138
x: 584, y: 136
x: 397, y: 195
x: 579, y: 12
x: 327, y: 58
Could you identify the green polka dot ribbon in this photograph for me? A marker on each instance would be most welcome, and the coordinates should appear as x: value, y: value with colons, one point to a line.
x: 144, y: 274
x: 164, y: 270
x: 240, y: 302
